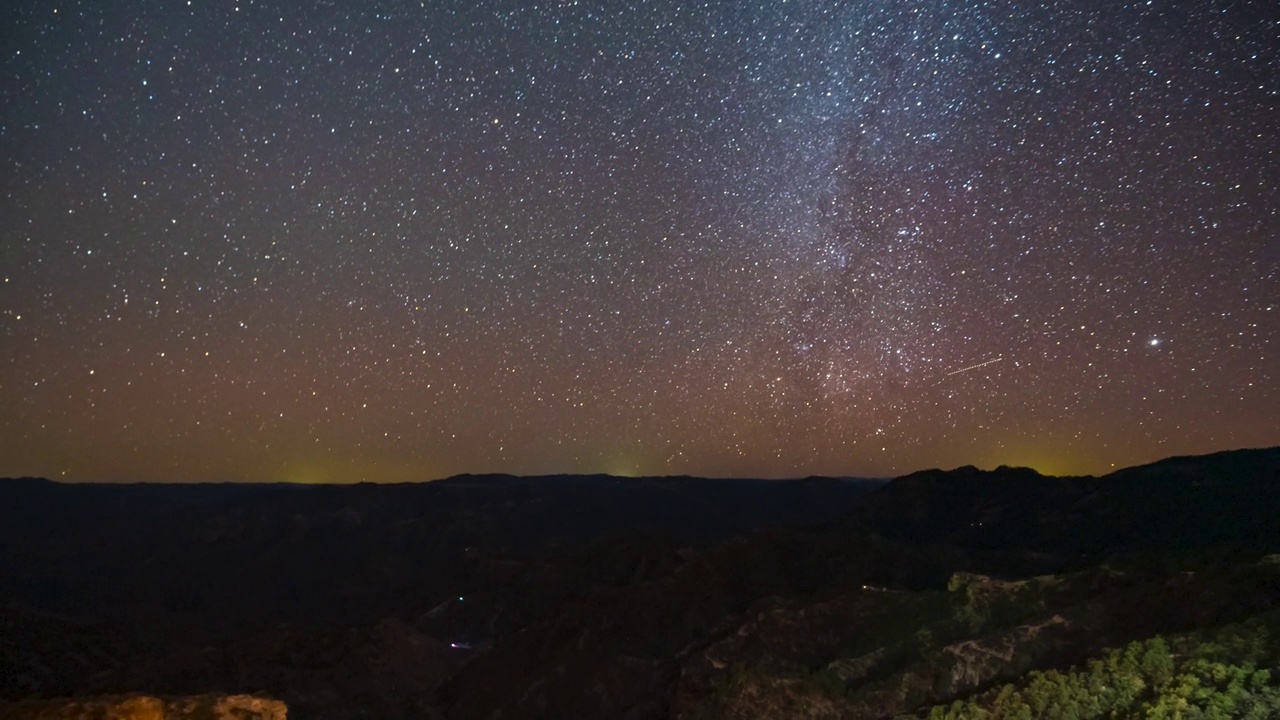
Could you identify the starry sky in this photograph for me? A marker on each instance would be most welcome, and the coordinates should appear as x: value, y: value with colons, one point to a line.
x: 389, y: 241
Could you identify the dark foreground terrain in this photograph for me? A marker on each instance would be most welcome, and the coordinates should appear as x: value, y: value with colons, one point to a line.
x: 1151, y: 591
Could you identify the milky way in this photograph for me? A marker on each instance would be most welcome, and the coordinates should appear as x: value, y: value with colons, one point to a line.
x: 328, y: 242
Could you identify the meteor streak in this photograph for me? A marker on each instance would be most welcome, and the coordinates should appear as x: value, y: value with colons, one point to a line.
x: 974, y: 367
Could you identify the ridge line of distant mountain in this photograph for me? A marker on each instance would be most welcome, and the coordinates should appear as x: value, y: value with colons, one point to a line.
x: 473, y: 479
x: 1160, y: 467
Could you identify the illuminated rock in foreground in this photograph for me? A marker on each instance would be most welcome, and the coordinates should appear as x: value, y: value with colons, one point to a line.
x: 146, y: 707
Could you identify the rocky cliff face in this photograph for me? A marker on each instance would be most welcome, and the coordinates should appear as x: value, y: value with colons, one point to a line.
x: 879, y: 653
x: 146, y: 707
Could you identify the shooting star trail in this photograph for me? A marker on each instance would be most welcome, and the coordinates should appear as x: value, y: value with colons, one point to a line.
x: 974, y: 367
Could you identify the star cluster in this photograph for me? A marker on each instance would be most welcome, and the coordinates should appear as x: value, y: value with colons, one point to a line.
x: 321, y: 242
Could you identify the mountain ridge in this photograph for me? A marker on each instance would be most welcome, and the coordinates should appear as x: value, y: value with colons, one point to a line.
x: 623, y: 597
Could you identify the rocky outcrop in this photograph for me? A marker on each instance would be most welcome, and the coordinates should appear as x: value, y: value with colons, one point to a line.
x: 978, y: 661
x: 146, y: 707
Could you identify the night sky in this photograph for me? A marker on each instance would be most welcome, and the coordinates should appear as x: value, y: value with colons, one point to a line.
x: 341, y: 241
